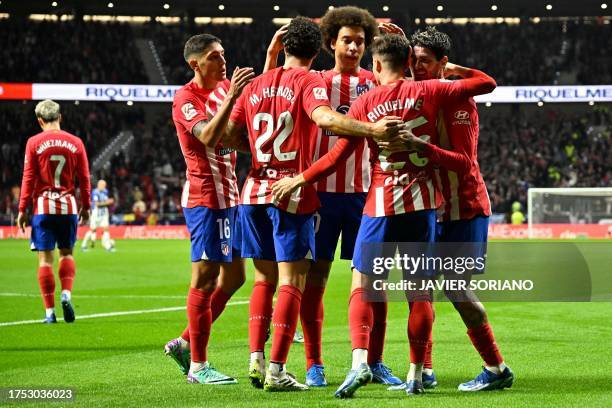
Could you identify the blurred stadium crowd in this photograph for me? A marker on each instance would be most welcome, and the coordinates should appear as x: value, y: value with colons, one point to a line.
x: 520, y: 147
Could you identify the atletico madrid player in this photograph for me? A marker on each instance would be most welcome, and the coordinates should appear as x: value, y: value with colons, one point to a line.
x: 281, y: 110
x: 401, y: 203
x: 53, y: 159
x: 347, y: 33
x: 200, y: 112
x: 466, y: 207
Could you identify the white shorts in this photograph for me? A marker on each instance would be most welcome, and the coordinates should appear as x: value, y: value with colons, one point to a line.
x: 98, y: 221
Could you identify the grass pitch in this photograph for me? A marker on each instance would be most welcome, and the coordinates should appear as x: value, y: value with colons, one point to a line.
x: 560, y: 352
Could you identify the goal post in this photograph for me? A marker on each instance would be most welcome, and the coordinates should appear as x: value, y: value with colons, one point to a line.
x: 579, y: 205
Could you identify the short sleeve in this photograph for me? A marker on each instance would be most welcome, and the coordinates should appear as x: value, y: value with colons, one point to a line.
x: 314, y: 92
x: 186, y: 111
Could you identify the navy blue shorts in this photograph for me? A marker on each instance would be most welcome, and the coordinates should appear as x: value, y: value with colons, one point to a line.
x: 470, y: 236
x: 49, y: 230
x: 339, y: 213
x: 473, y: 230
x: 418, y: 226
x: 272, y: 234
x: 212, y: 233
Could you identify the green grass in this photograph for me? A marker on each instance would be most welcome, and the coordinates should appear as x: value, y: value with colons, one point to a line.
x: 560, y: 352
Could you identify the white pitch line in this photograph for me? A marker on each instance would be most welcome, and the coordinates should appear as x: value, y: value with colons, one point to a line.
x: 125, y: 313
x: 12, y: 294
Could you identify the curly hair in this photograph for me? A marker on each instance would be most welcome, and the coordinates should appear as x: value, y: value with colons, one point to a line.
x: 197, y: 44
x: 438, y: 42
x: 393, y: 49
x: 303, y: 38
x: 336, y: 18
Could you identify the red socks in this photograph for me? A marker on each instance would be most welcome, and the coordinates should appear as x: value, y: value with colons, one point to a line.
x: 66, y: 272
x: 361, y: 319
x: 46, y: 281
x: 420, y: 324
x: 284, y: 321
x: 218, y: 300
x: 260, y: 314
x: 428, y: 360
x: 311, y: 313
x: 379, y: 329
x: 200, y: 320
x: 484, y: 341
x: 217, y: 303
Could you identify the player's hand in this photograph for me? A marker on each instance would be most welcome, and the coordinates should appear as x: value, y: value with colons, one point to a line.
x: 393, y: 145
x: 83, y: 216
x: 390, y: 28
x: 276, y: 45
x: 387, y: 127
x: 283, y: 188
x: 410, y: 141
x: 21, y: 221
x: 450, y: 69
x: 240, y: 78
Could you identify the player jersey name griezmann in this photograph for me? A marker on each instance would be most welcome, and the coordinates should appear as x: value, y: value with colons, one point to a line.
x: 55, y: 143
x: 383, y: 109
x: 271, y: 92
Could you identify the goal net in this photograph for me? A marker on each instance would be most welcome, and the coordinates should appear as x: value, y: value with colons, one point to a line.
x: 569, y: 206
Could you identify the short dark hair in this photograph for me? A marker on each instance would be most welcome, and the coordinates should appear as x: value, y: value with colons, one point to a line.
x: 303, y: 38
x: 339, y: 17
x: 197, y: 44
x: 438, y: 42
x: 393, y: 49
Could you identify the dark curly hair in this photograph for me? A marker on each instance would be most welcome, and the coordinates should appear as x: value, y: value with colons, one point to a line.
x: 303, y: 38
x: 336, y: 18
x: 438, y: 42
x: 393, y: 49
x: 197, y: 44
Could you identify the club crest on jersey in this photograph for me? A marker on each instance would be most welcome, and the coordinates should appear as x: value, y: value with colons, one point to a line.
x: 463, y: 118
x: 320, y: 94
x: 188, y: 111
x: 225, y: 249
x: 361, y: 89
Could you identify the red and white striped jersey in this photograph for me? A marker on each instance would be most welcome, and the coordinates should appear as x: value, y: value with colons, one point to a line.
x: 465, y: 193
x: 211, y: 177
x: 276, y: 109
x: 353, y: 175
x: 402, y: 181
x: 53, y: 158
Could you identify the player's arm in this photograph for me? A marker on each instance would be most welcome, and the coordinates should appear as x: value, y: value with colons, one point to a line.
x: 323, y: 167
x: 210, y: 132
x: 474, y: 82
x: 84, y: 184
x: 327, y: 118
x: 274, y: 49
x: 457, y: 161
x: 30, y: 170
x: 235, y: 137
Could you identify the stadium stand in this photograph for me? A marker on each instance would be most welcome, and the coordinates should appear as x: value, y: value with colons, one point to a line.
x: 520, y: 147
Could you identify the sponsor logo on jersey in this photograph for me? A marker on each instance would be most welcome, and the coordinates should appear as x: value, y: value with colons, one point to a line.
x: 188, y: 111
x: 320, y: 94
x: 361, y: 89
x: 463, y: 118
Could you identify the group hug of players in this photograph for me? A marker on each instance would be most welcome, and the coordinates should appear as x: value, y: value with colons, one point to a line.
x: 369, y: 155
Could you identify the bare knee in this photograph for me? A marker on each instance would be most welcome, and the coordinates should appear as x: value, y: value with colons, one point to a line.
x: 45, y: 258
x: 318, y: 274
x: 266, y: 271
x: 204, y: 275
